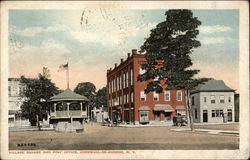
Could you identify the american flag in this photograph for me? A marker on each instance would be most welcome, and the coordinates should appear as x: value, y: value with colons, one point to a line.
x: 63, y: 67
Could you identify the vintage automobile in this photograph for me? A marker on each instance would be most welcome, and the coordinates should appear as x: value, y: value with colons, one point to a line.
x: 179, y: 121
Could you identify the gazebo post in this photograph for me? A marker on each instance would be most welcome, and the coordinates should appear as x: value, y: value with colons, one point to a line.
x: 81, y: 108
x: 55, y: 107
x: 68, y: 108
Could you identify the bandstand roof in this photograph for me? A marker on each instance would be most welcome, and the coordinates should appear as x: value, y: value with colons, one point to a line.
x: 68, y: 95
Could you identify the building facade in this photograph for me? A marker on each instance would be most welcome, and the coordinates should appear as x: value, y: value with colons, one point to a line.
x: 127, y: 101
x: 212, y: 102
x: 16, y: 99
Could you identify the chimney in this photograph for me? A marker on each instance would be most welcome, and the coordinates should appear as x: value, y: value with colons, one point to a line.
x: 121, y: 60
x: 115, y: 65
x: 134, y: 51
x: 128, y: 55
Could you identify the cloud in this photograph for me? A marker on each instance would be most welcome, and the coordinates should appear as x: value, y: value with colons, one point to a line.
x: 29, y: 32
x: 213, y: 40
x: 214, y: 29
x: 33, y: 31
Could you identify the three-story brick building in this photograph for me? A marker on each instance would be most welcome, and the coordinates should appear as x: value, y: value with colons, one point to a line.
x: 127, y: 101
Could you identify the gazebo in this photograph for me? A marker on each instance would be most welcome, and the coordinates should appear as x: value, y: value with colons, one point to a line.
x: 68, y: 107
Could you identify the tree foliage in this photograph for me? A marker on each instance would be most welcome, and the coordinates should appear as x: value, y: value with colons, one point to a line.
x: 37, y: 90
x: 168, y: 51
x: 170, y: 45
x: 101, y: 97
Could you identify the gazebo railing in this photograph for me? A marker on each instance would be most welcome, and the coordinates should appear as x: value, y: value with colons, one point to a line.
x: 73, y: 113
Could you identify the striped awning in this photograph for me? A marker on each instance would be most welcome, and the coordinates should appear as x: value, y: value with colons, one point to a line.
x: 180, y: 107
x: 144, y: 108
x: 163, y: 107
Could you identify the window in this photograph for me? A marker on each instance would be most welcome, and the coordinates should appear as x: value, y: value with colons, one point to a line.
x: 9, y: 88
x: 192, y: 100
x: 124, y: 98
x: 167, y: 96
x: 205, y: 99
x: 132, y: 97
x: 120, y: 82
x: 222, y: 99
x: 124, y: 80
x: 114, y: 84
x: 179, y: 95
x: 127, y: 98
x: 229, y: 99
x: 217, y: 113
x: 212, y: 99
x: 221, y: 113
x: 131, y: 77
x: 142, y: 71
x: 213, y: 113
x: 195, y: 113
x: 156, y: 96
x: 143, y: 96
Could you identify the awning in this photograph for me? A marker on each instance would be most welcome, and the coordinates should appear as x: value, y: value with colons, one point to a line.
x: 180, y: 107
x: 163, y: 107
x: 144, y: 108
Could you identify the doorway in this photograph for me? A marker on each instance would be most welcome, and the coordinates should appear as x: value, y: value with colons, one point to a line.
x: 167, y: 116
x: 229, y: 115
x: 205, y: 118
x: 157, y: 116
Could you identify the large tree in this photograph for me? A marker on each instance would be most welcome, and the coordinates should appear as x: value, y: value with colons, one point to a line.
x: 88, y: 90
x: 101, y: 97
x: 168, y: 51
x: 38, y: 92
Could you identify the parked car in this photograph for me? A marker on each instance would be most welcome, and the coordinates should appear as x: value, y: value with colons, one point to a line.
x: 179, y: 121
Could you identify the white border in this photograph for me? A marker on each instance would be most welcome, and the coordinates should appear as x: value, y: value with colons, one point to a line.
x: 242, y: 153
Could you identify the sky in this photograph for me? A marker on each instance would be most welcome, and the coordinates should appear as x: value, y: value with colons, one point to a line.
x: 93, y: 40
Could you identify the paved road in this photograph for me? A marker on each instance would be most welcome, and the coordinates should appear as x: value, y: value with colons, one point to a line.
x: 96, y: 137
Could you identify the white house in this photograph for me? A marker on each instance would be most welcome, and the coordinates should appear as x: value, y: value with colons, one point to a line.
x: 212, y: 102
x: 15, y: 90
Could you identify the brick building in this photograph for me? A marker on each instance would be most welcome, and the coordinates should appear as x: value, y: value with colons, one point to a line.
x: 127, y: 101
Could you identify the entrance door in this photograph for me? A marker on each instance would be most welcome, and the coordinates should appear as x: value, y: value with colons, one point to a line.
x: 157, y: 116
x: 229, y: 115
x: 144, y: 116
x: 204, y: 115
x: 168, y: 116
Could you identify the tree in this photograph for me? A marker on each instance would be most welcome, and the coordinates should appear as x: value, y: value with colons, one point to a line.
x: 88, y: 90
x: 168, y: 51
x: 38, y: 92
x: 101, y: 97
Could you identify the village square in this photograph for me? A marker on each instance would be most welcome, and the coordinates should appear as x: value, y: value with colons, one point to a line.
x: 153, y: 80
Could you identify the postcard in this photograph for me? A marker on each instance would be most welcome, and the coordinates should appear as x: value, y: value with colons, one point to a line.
x: 124, y: 80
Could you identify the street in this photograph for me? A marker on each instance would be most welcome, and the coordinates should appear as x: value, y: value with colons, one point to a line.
x: 97, y: 137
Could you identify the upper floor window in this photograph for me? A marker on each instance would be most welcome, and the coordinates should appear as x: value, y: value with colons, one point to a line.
x: 124, y: 80
x: 114, y: 84
x: 131, y: 77
x: 222, y: 99
x: 9, y: 89
x: 212, y: 99
x: 120, y: 81
x: 205, y: 99
x: 167, y: 96
x: 132, y: 97
x: 143, y: 96
x: 142, y: 71
x: 229, y: 99
x: 156, y: 96
x: 179, y: 95
x: 192, y: 100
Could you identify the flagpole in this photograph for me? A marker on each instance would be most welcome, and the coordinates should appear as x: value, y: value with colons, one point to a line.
x: 68, y: 75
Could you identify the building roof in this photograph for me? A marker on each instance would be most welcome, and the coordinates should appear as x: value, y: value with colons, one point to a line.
x: 68, y: 95
x: 163, y: 107
x: 213, y: 86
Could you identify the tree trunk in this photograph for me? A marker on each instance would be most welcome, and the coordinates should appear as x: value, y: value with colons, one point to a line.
x: 189, y: 111
x: 38, y: 124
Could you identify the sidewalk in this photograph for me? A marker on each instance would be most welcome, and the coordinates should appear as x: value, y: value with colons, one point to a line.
x: 200, y: 124
x: 208, y: 131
